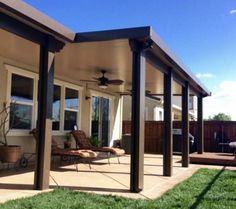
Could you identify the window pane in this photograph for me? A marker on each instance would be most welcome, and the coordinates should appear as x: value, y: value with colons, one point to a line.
x: 190, y: 102
x: 56, y: 108
x: 20, y: 116
x: 105, y: 121
x: 71, y: 100
x: 22, y: 88
x: 70, y: 120
x: 95, y: 116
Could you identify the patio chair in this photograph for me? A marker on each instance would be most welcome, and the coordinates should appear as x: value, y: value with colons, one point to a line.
x: 84, y: 154
x: 82, y: 142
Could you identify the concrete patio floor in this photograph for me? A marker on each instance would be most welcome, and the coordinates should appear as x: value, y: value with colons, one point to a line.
x: 102, y: 178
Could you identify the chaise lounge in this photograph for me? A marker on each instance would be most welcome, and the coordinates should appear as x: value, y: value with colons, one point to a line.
x: 84, y: 154
x: 82, y: 142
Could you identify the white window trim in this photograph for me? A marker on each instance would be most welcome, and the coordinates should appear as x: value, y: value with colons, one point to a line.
x: 21, y: 72
x: 63, y: 86
x: 24, y: 72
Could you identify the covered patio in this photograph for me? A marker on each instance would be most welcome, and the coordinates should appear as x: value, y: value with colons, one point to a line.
x: 137, y: 56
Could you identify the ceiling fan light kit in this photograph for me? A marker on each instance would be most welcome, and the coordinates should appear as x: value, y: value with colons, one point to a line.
x: 102, y: 86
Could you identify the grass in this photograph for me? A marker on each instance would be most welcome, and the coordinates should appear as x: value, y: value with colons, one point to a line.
x: 207, y: 188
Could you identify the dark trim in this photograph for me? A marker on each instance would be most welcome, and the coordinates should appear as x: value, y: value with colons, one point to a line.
x: 156, y: 62
x: 168, y: 125
x: 200, y: 140
x: 44, y: 124
x: 20, y: 29
x: 33, y: 22
x: 185, y: 125
x: 137, y: 123
x: 106, y: 35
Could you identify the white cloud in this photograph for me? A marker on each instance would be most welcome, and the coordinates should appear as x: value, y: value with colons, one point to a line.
x: 223, y: 100
x: 233, y: 11
x: 204, y: 75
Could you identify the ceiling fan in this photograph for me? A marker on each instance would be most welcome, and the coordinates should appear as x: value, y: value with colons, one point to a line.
x: 103, y: 81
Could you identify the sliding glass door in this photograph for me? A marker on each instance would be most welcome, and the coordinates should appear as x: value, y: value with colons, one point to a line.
x: 100, y: 119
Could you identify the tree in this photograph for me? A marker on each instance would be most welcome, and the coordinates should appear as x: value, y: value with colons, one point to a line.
x: 220, y: 117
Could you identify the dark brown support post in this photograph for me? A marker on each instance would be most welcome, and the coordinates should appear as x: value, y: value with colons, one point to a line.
x: 44, y: 122
x: 185, y: 125
x: 168, y: 126
x: 200, y: 140
x: 138, y: 107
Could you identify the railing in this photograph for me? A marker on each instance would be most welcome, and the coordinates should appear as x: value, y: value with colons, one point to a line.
x: 215, y: 133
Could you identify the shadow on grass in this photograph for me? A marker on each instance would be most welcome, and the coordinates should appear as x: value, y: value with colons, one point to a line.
x: 92, y: 189
x: 204, y: 191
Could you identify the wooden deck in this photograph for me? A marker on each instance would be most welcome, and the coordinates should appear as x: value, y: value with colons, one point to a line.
x: 210, y: 158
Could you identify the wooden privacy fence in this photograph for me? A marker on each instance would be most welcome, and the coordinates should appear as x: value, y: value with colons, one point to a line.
x: 215, y: 133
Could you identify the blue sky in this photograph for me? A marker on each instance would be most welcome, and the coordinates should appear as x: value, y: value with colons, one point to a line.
x: 202, y: 33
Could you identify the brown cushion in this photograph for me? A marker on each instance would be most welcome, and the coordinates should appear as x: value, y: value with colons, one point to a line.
x: 79, y: 153
x: 115, y: 151
x: 87, y: 153
x: 81, y: 140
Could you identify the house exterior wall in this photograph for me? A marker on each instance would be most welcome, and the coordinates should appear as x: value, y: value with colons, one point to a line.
x: 24, y: 55
x: 153, y: 108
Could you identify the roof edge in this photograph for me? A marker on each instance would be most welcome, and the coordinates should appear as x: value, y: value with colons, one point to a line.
x: 30, y: 15
x: 106, y: 35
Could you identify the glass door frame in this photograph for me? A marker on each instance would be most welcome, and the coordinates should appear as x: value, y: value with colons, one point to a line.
x: 105, y: 96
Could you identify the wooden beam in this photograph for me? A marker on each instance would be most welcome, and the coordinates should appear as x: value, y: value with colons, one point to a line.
x: 137, y: 124
x: 200, y: 140
x: 185, y: 125
x: 44, y: 122
x: 168, y: 126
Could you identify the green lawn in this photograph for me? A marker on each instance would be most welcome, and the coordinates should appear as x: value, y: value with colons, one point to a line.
x: 206, y: 189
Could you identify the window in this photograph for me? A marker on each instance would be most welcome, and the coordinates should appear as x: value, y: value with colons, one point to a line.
x: 21, y: 97
x: 160, y: 115
x: 56, y: 108
x: 71, y: 108
x: 190, y: 103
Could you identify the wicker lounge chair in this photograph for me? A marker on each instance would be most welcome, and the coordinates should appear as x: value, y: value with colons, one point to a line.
x: 84, y: 154
x: 82, y: 142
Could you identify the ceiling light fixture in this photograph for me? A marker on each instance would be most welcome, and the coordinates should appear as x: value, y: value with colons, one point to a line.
x: 102, y: 86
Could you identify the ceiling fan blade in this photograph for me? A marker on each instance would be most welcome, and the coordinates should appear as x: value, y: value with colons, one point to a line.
x: 97, y: 79
x: 115, y: 82
x: 88, y: 81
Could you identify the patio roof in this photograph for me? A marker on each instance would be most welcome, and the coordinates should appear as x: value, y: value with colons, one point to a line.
x: 162, y: 54
x: 166, y: 58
